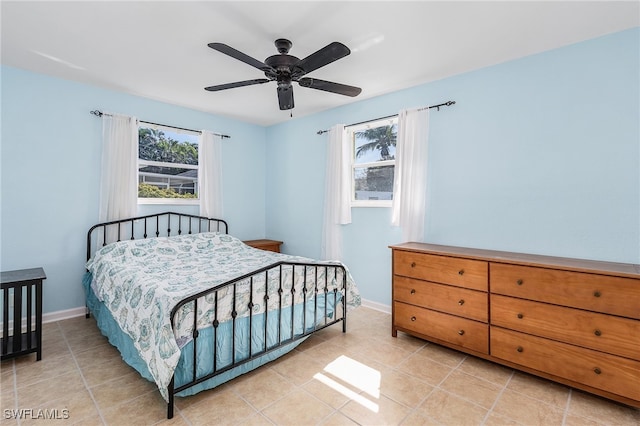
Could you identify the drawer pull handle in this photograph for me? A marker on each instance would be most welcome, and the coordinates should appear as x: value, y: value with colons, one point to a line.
x: 461, y: 332
x: 597, y: 370
x: 461, y: 302
x: 597, y: 294
x: 519, y: 349
x: 598, y: 333
x: 413, y: 318
x: 519, y: 282
x: 520, y: 316
x: 413, y: 291
x: 413, y: 264
x: 461, y: 272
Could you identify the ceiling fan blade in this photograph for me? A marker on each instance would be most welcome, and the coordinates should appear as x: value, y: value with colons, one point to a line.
x: 322, y: 57
x: 285, y: 97
x: 329, y: 86
x: 236, y: 54
x: 236, y: 84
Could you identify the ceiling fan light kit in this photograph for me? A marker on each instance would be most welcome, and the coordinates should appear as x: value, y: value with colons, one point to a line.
x: 285, y: 69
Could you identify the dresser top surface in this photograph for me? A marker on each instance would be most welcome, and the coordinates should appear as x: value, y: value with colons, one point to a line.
x: 581, y: 265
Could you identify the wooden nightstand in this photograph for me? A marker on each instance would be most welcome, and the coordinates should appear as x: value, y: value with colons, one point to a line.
x: 269, y: 245
x: 22, y: 287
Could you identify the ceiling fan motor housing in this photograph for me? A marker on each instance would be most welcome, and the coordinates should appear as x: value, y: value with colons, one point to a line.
x: 282, y: 64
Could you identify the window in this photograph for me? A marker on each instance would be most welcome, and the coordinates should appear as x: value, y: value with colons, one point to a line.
x: 373, y: 161
x: 167, y: 165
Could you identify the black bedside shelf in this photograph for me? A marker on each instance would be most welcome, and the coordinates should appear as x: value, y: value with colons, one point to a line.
x: 21, y: 287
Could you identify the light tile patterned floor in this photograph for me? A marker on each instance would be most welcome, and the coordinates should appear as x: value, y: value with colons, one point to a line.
x: 362, y: 377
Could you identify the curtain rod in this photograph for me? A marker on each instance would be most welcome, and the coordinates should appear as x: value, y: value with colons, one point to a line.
x: 98, y: 113
x: 448, y: 103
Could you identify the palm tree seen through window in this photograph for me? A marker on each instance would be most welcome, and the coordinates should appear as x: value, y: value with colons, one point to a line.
x: 374, y: 149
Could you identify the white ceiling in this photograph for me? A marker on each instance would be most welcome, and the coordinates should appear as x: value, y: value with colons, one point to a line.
x: 158, y: 49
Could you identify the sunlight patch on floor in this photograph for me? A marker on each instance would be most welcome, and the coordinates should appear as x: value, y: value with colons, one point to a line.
x: 354, y: 375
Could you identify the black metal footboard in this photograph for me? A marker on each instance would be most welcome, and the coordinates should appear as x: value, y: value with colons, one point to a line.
x: 316, y: 290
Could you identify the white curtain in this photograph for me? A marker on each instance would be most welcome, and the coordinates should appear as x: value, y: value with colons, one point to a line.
x: 119, y: 175
x: 210, y: 174
x: 337, y: 195
x: 410, y: 181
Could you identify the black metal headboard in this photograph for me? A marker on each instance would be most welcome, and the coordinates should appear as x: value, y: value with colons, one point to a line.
x: 152, y: 226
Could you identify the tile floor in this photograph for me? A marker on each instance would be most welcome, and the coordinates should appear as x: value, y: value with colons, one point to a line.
x: 362, y: 377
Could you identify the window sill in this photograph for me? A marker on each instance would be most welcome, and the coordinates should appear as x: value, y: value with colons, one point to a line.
x: 371, y: 204
x: 170, y: 201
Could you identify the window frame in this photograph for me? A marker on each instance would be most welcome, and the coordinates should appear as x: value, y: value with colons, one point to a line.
x: 168, y: 201
x: 351, y: 131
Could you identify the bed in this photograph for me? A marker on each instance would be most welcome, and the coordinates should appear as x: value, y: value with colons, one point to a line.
x: 189, y: 306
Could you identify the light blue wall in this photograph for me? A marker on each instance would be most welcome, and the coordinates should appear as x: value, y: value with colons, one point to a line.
x: 539, y: 155
x: 50, y: 157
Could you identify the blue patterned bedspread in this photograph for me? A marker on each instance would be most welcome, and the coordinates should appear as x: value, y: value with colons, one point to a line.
x: 141, y: 281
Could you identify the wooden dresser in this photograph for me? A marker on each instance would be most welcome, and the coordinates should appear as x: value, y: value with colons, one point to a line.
x: 573, y: 321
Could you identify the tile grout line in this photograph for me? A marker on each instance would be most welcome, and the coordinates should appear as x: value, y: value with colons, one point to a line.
x: 541, y: 401
x: 255, y: 409
x: 395, y: 368
x: 270, y: 404
x: 493, y: 406
x: 15, y: 387
x: 177, y: 411
x: 457, y: 367
x: 301, y: 389
x: 566, y: 408
x: 433, y: 387
x: 86, y: 385
x: 512, y: 378
x: 334, y: 410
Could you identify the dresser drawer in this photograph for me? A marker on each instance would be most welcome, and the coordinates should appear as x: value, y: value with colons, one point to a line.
x: 596, y: 369
x: 449, y: 328
x: 614, y: 335
x: 445, y: 298
x: 455, y: 271
x: 600, y: 293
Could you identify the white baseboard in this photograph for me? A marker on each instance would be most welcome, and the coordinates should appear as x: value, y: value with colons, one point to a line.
x: 377, y: 306
x: 81, y: 311
x: 64, y: 314
x: 50, y: 317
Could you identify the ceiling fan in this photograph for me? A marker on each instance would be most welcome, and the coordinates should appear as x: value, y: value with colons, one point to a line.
x: 284, y: 68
